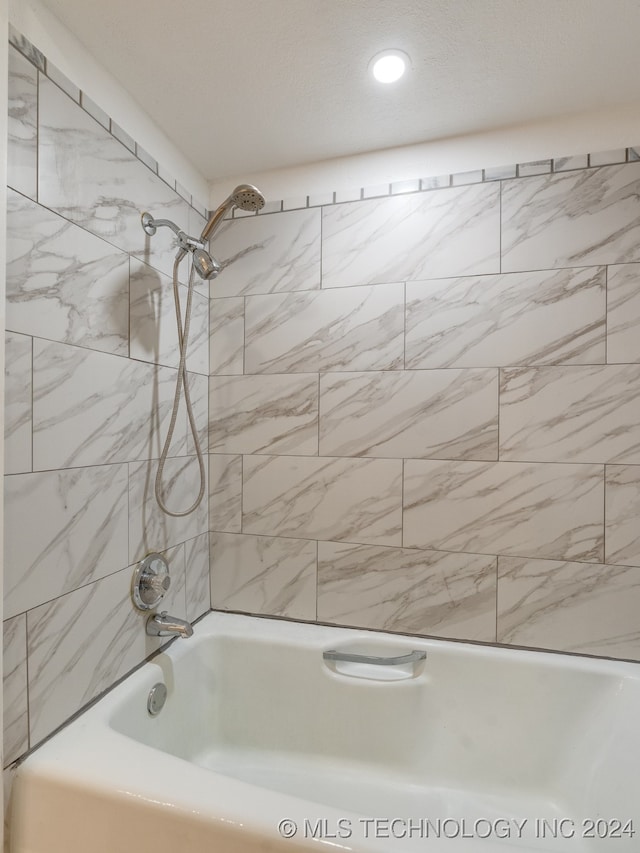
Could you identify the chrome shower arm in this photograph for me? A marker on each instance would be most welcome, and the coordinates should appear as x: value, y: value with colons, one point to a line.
x: 151, y: 225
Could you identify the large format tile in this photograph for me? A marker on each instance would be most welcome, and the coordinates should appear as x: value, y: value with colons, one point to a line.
x: 22, y: 151
x: 199, y: 395
x: 83, y: 642
x: 196, y: 562
x: 91, y: 408
x: 63, y: 283
x: 154, y: 329
x: 426, y: 235
x: 622, y: 511
x: 623, y: 313
x: 226, y: 336
x: 435, y: 414
x: 573, y: 607
x: 268, y: 254
x: 358, y: 328
x: 92, y: 179
x: 263, y: 574
x: 225, y: 493
x: 14, y: 689
x: 546, y: 317
x: 580, y: 218
x: 17, y: 403
x: 553, y: 511
x: 358, y: 500
x: 264, y: 414
x: 570, y: 414
x: 150, y: 529
x: 80, y: 535
x: 400, y: 589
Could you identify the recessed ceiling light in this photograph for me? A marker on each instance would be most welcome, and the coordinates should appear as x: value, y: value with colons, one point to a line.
x: 389, y: 65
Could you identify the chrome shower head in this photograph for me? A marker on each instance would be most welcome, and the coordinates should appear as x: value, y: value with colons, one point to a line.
x: 205, y: 265
x: 245, y: 196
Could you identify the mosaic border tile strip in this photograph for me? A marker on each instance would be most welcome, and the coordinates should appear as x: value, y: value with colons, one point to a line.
x: 426, y: 184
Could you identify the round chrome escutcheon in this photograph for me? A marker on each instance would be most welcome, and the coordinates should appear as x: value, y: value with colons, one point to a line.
x: 151, y: 581
x: 157, y: 698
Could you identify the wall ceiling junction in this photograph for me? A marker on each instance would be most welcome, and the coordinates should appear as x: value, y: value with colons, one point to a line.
x: 253, y: 85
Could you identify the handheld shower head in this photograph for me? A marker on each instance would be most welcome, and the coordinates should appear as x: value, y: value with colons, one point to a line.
x: 245, y: 196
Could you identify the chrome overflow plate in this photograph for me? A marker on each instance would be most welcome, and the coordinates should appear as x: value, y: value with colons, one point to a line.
x: 151, y: 581
x: 156, y: 699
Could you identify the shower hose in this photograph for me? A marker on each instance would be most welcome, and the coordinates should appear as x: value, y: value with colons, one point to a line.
x: 181, y: 383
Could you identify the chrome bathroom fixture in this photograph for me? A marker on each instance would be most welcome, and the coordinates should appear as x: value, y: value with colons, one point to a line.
x: 151, y: 581
x: 163, y: 625
x: 156, y: 699
x: 246, y: 197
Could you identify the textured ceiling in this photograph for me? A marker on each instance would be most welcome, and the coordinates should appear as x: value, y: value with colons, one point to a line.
x: 251, y: 85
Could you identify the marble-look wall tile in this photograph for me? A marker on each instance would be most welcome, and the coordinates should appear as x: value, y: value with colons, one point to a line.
x: 547, y: 317
x: 225, y: 493
x: 263, y: 574
x: 554, y: 511
x: 80, y: 536
x: 430, y: 235
x: 623, y: 313
x: 22, y: 151
x: 226, y: 336
x: 570, y: 414
x: 572, y: 219
x: 26, y: 48
x: 154, y: 330
x: 358, y: 328
x: 268, y: 254
x: 196, y: 560
x: 150, y: 529
x: 358, y: 500
x: 399, y: 589
x: 91, y: 408
x: 97, y: 636
x: 622, y: 511
x: 63, y: 283
x: 264, y: 414
x: 573, y: 607
x: 199, y: 395
x: 433, y: 414
x: 17, y: 403
x: 14, y: 688
x: 89, y: 177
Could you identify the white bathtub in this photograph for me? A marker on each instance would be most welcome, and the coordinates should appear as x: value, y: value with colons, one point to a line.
x: 474, y: 749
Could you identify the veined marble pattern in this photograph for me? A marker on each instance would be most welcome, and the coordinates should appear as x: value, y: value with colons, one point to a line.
x: 264, y: 414
x: 623, y: 313
x: 435, y: 414
x: 428, y: 235
x: 572, y: 219
x: 199, y: 393
x: 196, y: 560
x: 226, y: 336
x: 547, y: 317
x: 358, y: 328
x: 399, y: 589
x: 14, y: 689
x: 505, y: 508
x: 80, y: 535
x: 22, y: 151
x: 91, y: 408
x: 570, y: 414
x: 267, y: 254
x: 63, y: 283
x: 98, y: 637
x: 263, y: 574
x: 592, y: 609
x: 154, y: 330
x: 622, y: 514
x: 225, y: 493
x: 149, y: 528
x: 93, y: 180
x: 25, y: 47
x: 358, y: 500
x: 17, y: 403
